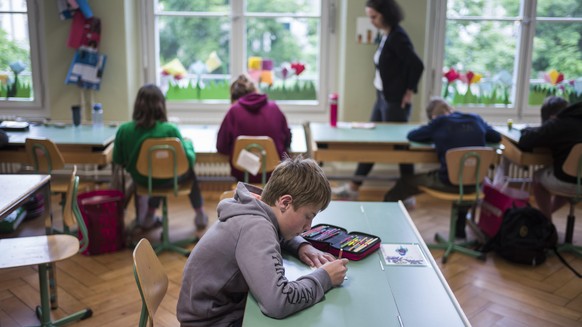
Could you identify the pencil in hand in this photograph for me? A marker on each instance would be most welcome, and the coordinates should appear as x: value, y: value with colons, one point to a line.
x: 340, y: 253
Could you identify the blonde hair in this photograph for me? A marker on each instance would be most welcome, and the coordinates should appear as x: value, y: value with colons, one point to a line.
x: 437, y: 107
x: 301, y: 178
x: 241, y: 87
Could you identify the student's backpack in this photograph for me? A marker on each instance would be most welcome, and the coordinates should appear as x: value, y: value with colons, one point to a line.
x: 524, y: 236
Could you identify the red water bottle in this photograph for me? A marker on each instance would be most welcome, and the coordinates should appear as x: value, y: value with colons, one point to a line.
x: 333, y: 109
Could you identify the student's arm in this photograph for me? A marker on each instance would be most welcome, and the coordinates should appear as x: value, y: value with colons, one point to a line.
x: 186, y: 144
x: 538, y: 136
x: 224, y: 138
x: 422, y: 134
x: 491, y: 135
x: 258, y: 255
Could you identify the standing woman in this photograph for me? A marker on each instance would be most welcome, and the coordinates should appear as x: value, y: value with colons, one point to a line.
x: 398, y: 70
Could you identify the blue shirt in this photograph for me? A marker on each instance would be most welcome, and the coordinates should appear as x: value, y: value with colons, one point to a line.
x: 454, y: 131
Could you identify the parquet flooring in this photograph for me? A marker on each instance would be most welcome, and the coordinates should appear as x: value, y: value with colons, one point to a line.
x: 492, y: 293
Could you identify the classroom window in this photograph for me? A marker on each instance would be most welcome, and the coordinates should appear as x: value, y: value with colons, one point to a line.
x: 503, y: 57
x: 19, y: 60
x: 199, y: 47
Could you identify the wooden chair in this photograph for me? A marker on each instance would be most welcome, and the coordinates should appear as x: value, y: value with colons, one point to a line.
x: 42, y: 251
x: 264, y: 147
x: 151, y: 279
x: 573, y: 167
x: 72, y: 214
x: 44, y: 157
x: 164, y: 158
x: 466, y: 166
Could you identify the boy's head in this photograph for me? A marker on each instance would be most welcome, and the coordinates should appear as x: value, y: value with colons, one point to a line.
x: 438, y: 107
x: 303, y: 179
x: 551, y: 106
x: 297, y: 191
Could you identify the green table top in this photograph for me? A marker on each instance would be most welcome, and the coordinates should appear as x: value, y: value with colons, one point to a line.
x: 393, y: 133
x: 375, y: 294
x: 99, y: 136
x: 204, y: 137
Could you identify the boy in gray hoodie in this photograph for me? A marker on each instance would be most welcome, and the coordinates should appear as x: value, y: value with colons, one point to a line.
x: 242, y: 251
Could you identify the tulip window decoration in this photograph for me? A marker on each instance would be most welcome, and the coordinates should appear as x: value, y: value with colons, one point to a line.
x: 451, y: 76
x: 555, y: 84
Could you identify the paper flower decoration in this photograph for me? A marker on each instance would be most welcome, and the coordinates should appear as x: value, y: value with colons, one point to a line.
x: 213, y: 62
x: 553, y: 77
x: 471, y: 78
x: 17, y: 67
x: 298, y: 68
x: 174, y: 68
x: 254, y: 63
x: 451, y: 76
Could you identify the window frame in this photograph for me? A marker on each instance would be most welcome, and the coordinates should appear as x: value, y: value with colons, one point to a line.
x: 212, y: 110
x: 526, y: 19
x: 36, y: 107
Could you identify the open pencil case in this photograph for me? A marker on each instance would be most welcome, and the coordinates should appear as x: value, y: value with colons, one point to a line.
x: 330, y: 238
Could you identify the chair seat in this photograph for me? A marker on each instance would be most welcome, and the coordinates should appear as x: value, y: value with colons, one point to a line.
x: 183, y: 189
x: 449, y: 196
x: 35, y: 250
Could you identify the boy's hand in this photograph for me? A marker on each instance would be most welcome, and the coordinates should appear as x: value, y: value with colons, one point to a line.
x: 313, y: 257
x: 336, y: 270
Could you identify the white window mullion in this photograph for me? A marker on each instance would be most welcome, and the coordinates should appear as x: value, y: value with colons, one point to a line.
x: 237, y: 41
x: 524, y: 56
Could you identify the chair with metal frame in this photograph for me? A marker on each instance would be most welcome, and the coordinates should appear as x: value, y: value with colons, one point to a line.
x: 164, y: 158
x: 151, y: 279
x: 466, y: 166
x: 44, y: 251
x: 45, y: 158
x: 262, y: 146
x: 573, y: 167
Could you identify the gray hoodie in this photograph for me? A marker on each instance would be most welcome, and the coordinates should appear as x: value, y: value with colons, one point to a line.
x: 242, y: 252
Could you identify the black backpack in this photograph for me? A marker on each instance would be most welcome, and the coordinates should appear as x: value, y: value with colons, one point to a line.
x: 524, y: 236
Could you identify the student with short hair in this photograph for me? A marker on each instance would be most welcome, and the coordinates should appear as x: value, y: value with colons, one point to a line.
x: 251, y: 114
x: 447, y: 129
x: 150, y: 121
x: 559, y: 134
x: 241, y: 253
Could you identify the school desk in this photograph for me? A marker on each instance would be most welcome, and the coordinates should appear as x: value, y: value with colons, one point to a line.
x: 376, y: 294
x: 204, y: 140
x: 510, y: 139
x: 15, y: 190
x: 84, y: 144
x: 376, y: 144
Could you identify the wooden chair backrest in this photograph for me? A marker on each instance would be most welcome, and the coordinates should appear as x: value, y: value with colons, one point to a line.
x: 162, y: 158
x: 264, y: 142
x: 150, y: 277
x: 469, y: 165
x: 263, y: 146
x: 43, y: 155
x: 72, y: 214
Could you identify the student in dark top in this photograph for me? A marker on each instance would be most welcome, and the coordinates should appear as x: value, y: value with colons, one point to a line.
x: 559, y: 134
x: 447, y: 129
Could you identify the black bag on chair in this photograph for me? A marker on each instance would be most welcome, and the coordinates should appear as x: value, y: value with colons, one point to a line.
x: 524, y: 236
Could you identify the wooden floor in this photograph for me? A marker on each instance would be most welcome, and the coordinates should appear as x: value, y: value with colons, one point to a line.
x: 492, y: 293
